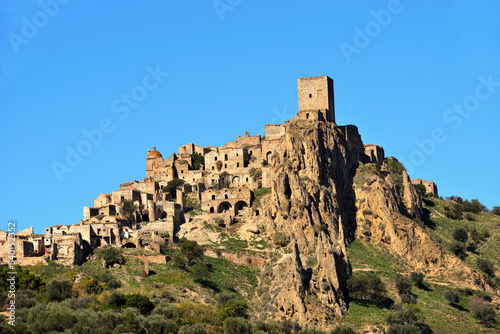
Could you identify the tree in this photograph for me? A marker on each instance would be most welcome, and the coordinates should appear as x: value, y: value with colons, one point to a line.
x: 190, y: 249
x: 417, y: 277
x: 496, y: 210
x: 460, y: 234
x: 193, y: 329
x: 172, y: 186
x: 421, y: 189
x: 233, y: 308
x: 366, y: 286
x: 140, y: 302
x: 453, y: 297
x: 200, y: 272
x: 482, y: 310
x: 197, y: 160
x: 458, y: 249
x: 58, y: 289
x: 403, y: 285
x: 237, y: 326
x: 111, y: 255
x: 127, y: 210
x: 486, y: 267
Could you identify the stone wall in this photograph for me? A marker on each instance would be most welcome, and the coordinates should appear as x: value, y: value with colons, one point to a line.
x: 316, y: 93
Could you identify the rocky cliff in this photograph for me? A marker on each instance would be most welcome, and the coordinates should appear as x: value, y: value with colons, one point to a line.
x: 322, y: 198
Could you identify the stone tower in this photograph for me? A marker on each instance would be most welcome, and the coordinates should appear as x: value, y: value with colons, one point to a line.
x: 316, y: 98
x: 153, y: 156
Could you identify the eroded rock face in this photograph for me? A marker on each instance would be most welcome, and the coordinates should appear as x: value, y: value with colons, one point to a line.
x: 316, y: 203
x: 313, y: 203
x: 386, y: 214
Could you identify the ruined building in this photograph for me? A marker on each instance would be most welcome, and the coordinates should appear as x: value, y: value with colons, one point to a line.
x: 223, y: 178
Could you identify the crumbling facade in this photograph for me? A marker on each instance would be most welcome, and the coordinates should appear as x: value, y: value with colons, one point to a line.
x: 430, y: 186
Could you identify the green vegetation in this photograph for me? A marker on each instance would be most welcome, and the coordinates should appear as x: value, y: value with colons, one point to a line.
x: 127, y: 209
x: 258, y: 193
x: 197, y: 160
x: 172, y: 186
x: 190, y: 249
x: 111, y: 255
x: 366, y: 286
x: 255, y: 173
x: 280, y: 239
x: 193, y: 206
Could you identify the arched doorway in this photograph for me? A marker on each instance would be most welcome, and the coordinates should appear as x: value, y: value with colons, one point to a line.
x: 224, y: 206
x: 268, y: 156
x: 239, y: 206
x: 129, y: 245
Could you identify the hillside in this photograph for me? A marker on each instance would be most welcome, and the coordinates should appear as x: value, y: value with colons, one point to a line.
x: 289, y: 266
x: 301, y: 231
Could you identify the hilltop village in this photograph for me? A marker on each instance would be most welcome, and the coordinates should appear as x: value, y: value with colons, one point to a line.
x: 142, y: 214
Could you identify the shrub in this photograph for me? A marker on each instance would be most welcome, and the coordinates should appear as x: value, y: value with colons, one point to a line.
x: 403, y: 285
x: 197, y: 160
x: 417, y: 277
x: 111, y: 255
x: 395, y: 167
x: 156, y: 324
x: 482, y: 310
x: 469, y: 216
x: 237, y: 326
x: 190, y: 249
x: 496, y: 210
x: 235, y: 308
x: 179, y: 261
x: 421, y: 189
x: 127, y: 209
x: 116, y: 299
x: 25, y: 299
x: 280, y: 239
x: 453, y: 297
x: 165, y: 310
x: 460, y: 234
x: 200, y: 272
x: 458, y: 249
x: 479, y: 236
x: 140, y: 302
x: 58, y: 289
x: 366, y: 286
x: 255, y: 173
x: 193, y: 329
x: 312, y: 330
x: 408, y: 298
x: 486, y: 267
x: 172, y: 186
x: 473, y: 206
x: 453, y: 212
x: 403, y: 329
x: 471, y: 247
x: 343, y: 329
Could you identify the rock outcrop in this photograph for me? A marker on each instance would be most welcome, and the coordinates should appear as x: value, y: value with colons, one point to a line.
x: 319, y: 197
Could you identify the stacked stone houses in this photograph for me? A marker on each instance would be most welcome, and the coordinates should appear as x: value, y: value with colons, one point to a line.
x: 223, y: 183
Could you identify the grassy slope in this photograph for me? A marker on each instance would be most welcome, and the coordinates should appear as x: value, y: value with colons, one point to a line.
x: 439, y: 315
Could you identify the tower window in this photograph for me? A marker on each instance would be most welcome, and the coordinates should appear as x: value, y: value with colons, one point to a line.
x: 215, y: 159
x: 310, y: 96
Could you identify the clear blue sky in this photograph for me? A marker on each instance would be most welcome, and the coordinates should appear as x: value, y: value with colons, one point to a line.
x: 420, y: 78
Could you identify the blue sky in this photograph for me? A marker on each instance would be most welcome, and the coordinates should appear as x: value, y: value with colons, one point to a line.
x: 420, y: 78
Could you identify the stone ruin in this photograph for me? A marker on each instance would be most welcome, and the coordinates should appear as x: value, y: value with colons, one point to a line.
x: 224, y: 185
